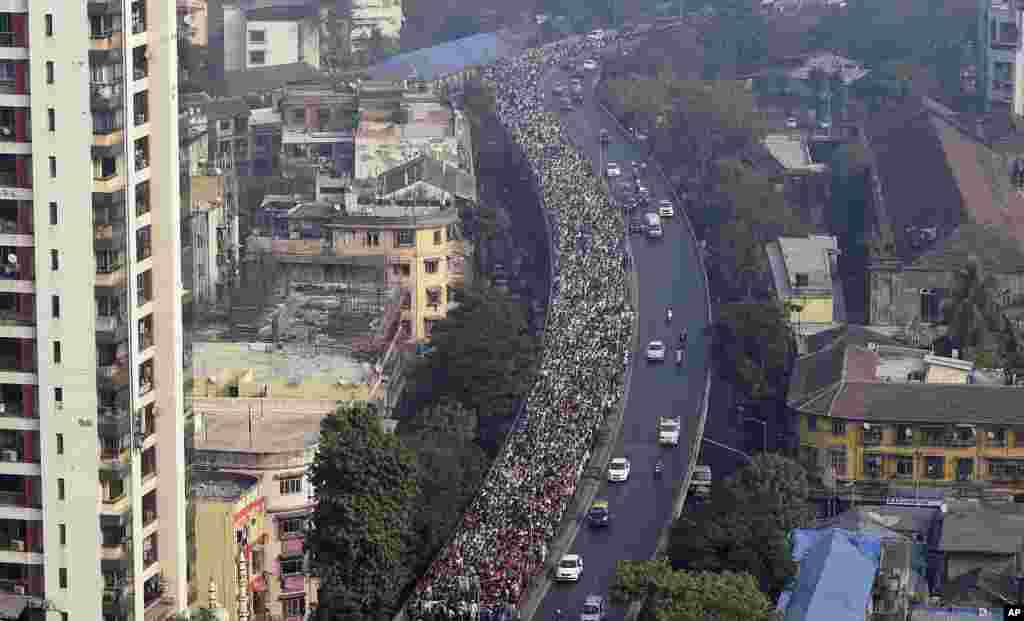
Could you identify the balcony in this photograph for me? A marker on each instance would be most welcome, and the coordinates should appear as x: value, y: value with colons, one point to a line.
x: 138, y: 20
x: 102, y: 40
x: 141, y: 161
x: 18, y: 499
x: 106, y: 95
x: 109, y: 234
x: 117, y: 597
x: 143, y: 250
x: 118, y: 552
x: 111, y: 328
x: 113, y: 420
x: 112, y: 375
x: 110, y: 275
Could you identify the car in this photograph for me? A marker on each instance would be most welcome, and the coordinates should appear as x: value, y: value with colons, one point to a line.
x: 636, y: 225
x: 665, y: 209
x: 792, y: 123
x: 668, y: 430
x: 604, y: 136
x: 599, y: 514
x: 594, y: 609
x: 656, y: 351
x: 566, y: 104
x: 569, y: 569
x: 618, y: 470
x: 613, y: 169
x: 590, y: 64
x: 596, y: 35
x: 700, y: 482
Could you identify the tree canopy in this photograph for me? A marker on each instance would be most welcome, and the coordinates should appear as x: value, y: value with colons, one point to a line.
x: 734, y: 38
x: 365, y: 482
x: 746, y: 525
x: 750, y: 346
x: 678, y: 595
x: 483, y: 353
x: 970, y: 311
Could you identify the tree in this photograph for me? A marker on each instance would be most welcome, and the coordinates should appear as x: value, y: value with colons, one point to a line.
x: 776, y: 483
x: 675, y: 595
x: 483, y: 353
x: 365, y: 482
x: 750, y: 344
x: 970, y: 312
x: 746, y: 526
x: 734, y: 39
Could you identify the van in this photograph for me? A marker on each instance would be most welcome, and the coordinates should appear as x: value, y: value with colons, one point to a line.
x: 700, y: 482
x: 653, y: 223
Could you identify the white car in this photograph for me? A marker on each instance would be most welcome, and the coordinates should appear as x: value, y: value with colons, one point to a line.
x: 570, y: 568
x: 656, y: 351
x: 590, y: 64
x: 596, y: 35
x: 665, y: 209
x: 618, y: 470
x: 792, y: 123
x: 613, y: 169
x: 668, y: 430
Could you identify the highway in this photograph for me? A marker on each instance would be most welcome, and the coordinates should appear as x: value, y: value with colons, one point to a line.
x: 668, y: 275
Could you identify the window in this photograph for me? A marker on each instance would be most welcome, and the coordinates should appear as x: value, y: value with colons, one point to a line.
x: 60, y: 443
x: 372, y: 239
x: 257, y: 57
x: 293, y: 526
x: 64, y: 616
x: 51, y: 119
x: 53, y: 167
x: 54, y: 260
x: 812, y: 422
x: 838, y: 461
x: 56, y: 352
x: 55, y: 306
x: 60, y: 489
x: 434, y: 297
x: 49, y: 72
x: 438, y: 238
x: 53, y: 213
x: 58, y: 396
x: 63, y: 530
x: 839, y: 427
x: 295, y: 607
x: 290, y: 566
x: 405, y: 238
x: 299, y: 116
x: 291, y: 485
x: 935, y: 467
x: 62, y: 577
x: 905, y: 466
x: 430, y: 266
x: 49, y: 24
x: 257, y: 36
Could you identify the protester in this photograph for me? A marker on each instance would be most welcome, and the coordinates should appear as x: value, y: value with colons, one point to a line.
x: 503, y: 538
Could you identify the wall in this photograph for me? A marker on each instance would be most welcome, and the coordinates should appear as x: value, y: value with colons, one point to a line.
x: 895, y: 295
x: 234, y: 39
x: 958, y: 564
x: 945, y: 375
x: 286, y: 42
x: 814, y: 309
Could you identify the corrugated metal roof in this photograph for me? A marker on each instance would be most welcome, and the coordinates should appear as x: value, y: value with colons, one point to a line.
x: 438, y: 61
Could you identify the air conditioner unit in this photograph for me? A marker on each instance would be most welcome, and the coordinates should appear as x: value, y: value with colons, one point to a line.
x: 8, y: 455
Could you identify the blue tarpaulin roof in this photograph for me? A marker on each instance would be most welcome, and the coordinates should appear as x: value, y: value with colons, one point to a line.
x: 448, y: 58
x: 837, y: 571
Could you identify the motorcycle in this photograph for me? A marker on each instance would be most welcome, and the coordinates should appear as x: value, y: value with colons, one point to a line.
x: 658, y: 468
x: 679, y: 357
x: 668, y: 315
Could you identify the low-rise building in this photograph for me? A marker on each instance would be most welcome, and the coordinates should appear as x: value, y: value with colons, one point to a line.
x: 804, y: 270
x: 265, y: 142
x: 265, y: 34
x: 878, y: 412
x: 228, y: 134
x: 277, y: 451
x: 805, y: 182
x: 231, y: 528
x: 318, y: 128
x: 213, y: 230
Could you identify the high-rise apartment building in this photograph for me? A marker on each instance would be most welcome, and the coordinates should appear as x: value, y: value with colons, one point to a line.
x: 92, y: 494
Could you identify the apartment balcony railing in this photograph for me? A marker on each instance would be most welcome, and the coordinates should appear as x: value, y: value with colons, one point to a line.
x: 141, y: 161
x: 138, y: 24
x: 16, y: 364
x: 145, y: 340
x: 143, y: 251
x: 112, y: 416
x: 14, y: 318
x: 963, y: 442
x: 142, y: 206
x: 19, y: 545
x: 8, y: 39
x: 8, y: 179
x: 143, y: 297
x: 996, y: 443
x: 145, y: 387
x: 141, y: 118
x: 141, y: 71
x: 17, y: 499
x: 148, y: 516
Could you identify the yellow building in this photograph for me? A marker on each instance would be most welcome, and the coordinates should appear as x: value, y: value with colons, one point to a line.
x: 803, y: 270
x: 871, y: 410
x: 230, y: 523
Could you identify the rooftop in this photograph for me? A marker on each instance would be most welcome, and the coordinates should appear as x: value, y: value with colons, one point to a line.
x: 221, y: 485
x: 792, y: 153
x: 980, y: 527
x: 264, y: 116
x: 429, y: 170
x: 265, y: 79
x: 809, y: 259
x: 292, y: 361
x: 830, y: 63
x: 206, y: 191
x: 228, y: 107
x: 449, y: 58
x: 222, y: 431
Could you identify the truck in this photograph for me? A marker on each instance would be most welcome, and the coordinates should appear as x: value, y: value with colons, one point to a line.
x: 668, y: 431
x: 700, y: 482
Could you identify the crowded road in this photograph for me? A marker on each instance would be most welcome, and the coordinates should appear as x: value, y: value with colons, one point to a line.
x: 668, y: 275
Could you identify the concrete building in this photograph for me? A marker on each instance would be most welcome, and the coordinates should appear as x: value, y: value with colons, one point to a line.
x: 415, y: 245
x: 1001, y: 79
x: 194, y: 16
x: 277, y: 450
x: 228, y: 134
x: 264, y: 142
x: 265, y: 34
x: 384, y: 16
x: 231, y: 525
x: 318, y: 123
x: 91, y: 409
x: 213, y: 227
x: 805, y: 182
x: 880, y: 412
x: 806, y: 279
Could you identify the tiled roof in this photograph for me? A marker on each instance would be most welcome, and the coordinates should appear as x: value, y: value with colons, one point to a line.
x: 989, y: 244
x: 982, y: 529
x: 429, y: 170
x: 935, y: 174
x: 448, y: 58
x: 915, y: 402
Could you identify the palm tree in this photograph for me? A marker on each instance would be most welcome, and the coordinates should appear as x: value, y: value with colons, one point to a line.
x: 969, y: 312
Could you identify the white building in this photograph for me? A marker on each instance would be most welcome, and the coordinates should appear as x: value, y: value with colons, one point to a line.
x: 258, y: 35
x: 92, y: 428
x: 383, y: 15
x: 1006, y: 55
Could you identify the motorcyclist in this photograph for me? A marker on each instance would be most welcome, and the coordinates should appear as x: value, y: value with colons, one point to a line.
x: 682, y: 338
x: 668, y: 314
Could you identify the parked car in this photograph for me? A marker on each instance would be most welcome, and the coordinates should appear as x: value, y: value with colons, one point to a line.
x: 594, y: 609
x: 599, y: 514
x: 570, y: 568
x: 656, y: 351
x: 613, y: 169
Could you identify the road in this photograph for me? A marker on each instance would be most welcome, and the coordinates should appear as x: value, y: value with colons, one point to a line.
x: 668, y: 276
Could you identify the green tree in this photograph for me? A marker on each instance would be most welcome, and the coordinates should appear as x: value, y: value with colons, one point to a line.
x: 970, y: 312
x: 483, y: 353
x: 365, y: 482
x: 776, y: 483
x: 750, y: 345
x: 452, y: 465
x: 676, y: 595
x: 734, y: 39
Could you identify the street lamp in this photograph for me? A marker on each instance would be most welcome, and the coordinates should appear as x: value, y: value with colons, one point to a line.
x: 728, y: 448
x: 764, y: 430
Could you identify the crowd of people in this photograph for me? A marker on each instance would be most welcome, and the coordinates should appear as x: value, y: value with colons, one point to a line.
x: 502, y: 541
